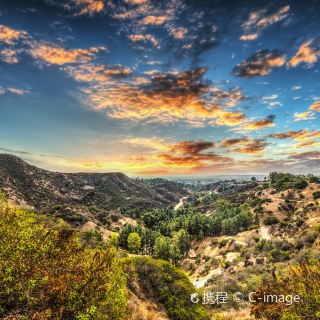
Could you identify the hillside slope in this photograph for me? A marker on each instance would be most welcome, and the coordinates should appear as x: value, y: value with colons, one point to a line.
x: 84, y: 193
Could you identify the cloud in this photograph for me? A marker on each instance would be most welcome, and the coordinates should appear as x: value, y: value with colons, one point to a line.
x: 150, y: 143
x: 255, y: 146
x: 307, y: 144
x: 9, y: 55
x: 12, y: 90
x: 154, y: 20
x: 229, y: 98
x: 51, y: 54
x: 258, y: 20
x: 178, y: 33
x: 163, y: 98
x: 305, y: 54
x: 249, y: 37
x: 260, y: 124
x: 10, y: 36
x: 179, y: 157
x: 192, y: 147
x: 272, y: 97
x: 315, y: 106
x: 234, y: 142
x: 14, y: 151
x: 79, y: 7
x: 308, y: 155
x: 231, y: 118
x: 296, y: 135
x: 98, y: 73
x: 144, y: 38
x: 307, y: 115
x: 261, y: 63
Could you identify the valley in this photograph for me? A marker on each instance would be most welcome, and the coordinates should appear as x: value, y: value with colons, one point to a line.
x: 224, y: 236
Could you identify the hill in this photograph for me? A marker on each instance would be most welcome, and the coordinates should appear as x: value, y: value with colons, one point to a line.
x: 80, y: 197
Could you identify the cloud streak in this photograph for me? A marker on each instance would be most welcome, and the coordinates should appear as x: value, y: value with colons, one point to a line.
x: 260, y: 63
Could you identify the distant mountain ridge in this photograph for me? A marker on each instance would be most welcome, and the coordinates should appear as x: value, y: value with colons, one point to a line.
x: 40, y: 189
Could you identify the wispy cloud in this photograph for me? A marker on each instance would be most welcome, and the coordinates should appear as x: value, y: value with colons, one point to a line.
x: 315, y: 106
x: 260, y: 63
x: 51, y: 54
x: 307, y: 115
x: 10, y: 36
x: 258, y: 20
x: 302, y: 134
x: 79, y: 7
x: 260, y: 124
x: 306, y: 54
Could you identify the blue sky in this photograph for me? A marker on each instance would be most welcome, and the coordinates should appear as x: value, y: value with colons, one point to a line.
x: 161, y: 87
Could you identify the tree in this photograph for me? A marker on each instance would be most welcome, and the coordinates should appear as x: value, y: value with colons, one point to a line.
x: 134, y: 242
x: 162, y: 248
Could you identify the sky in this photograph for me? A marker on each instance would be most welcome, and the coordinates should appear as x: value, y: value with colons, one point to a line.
x: 161, y: 88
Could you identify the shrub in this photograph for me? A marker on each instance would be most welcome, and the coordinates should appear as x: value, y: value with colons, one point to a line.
x: 301, y: 280
x: 270, y: 220
x: 301, y: 184
x: 169, y: 286
x: 316, y: 195
x: 48, y: 274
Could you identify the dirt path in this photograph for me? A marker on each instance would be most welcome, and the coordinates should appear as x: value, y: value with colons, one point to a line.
x: 180, y: 203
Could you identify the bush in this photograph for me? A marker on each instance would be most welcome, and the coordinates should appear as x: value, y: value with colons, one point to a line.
x: 170, y: 286
x: 316, y: 195
x: 48, y: 274
x: 302, y: 184
x: 301, y: 280
x: 270, y: 220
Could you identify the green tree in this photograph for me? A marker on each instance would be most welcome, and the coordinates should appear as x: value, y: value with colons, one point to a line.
x: 134, y: 242
x: 162, y: 248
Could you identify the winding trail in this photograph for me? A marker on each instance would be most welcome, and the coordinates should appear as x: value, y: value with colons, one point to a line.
x: 177, y: 206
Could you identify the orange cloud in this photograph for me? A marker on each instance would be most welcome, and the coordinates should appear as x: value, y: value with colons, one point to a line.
x: 178, y: 33
x: 89, y: 7
x: 144, y: 38
x: 249, y: 37
x: 9, y: 55
x: 56, y: 55
x: 10, y: 36
x: 315, y: 106
x: 255, y: 146
x: 168, y: 97
x: 305, y: 54
x: 234, y: 142
x: 261, y: 63
x: 259, y: 19
x: 260, y: 124
x: 273, y: 18
x: 307, y: 144
x: 154, y: 20
x: 297, y: 135
x: 230, y: 118
x: 192, y: 147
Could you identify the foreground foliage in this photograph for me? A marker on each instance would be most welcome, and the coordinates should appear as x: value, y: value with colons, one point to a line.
x: 168, y: 285
x: 48, y: 274
x: 302, y: 280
